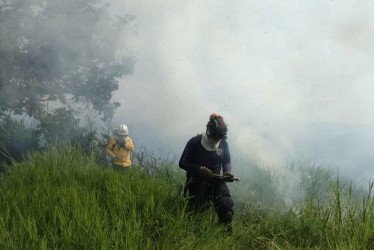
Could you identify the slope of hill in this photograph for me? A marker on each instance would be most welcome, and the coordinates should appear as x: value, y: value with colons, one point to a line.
x: 62, y: 199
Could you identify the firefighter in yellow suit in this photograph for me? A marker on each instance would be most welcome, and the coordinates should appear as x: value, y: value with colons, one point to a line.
x: 120, y: 147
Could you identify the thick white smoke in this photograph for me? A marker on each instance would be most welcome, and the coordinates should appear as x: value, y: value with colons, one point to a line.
x: 293, y: 79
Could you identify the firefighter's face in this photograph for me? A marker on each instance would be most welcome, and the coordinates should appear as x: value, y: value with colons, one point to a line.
x: 216, y: 137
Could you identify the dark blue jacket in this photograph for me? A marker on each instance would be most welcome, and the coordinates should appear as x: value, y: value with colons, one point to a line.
x: 195, y: 155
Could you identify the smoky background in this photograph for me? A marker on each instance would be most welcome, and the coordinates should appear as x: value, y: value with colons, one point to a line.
x: 293, y: 80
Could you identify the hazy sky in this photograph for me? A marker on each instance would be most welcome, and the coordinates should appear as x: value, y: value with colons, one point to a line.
x: 293, y: 79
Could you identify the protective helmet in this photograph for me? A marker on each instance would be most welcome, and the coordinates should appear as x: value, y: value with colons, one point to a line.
x: 216, y: 127
x: 122, y: 130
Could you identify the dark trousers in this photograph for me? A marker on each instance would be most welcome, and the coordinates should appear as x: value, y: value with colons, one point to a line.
x: 119, y: 167
x: 202, y: 193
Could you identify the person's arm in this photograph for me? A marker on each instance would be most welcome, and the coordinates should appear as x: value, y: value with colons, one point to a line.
x: 185, y: 161
x: 129, y: 144
x: 109, y: 147
x: 226, y: 159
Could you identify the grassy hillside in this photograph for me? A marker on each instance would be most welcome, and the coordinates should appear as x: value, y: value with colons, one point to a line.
x: 62, y: 199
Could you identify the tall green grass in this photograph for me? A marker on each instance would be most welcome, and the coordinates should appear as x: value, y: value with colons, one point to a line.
x: 62, y: 199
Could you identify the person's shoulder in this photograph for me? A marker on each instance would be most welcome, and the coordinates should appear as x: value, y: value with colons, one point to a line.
x: 224, y: 143
x: 112, y: 140
x: 195, y: 139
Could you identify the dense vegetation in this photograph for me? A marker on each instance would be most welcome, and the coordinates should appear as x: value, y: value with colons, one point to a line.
x: 60, y: 63
x: 63, y: 199
x: 64, y: 53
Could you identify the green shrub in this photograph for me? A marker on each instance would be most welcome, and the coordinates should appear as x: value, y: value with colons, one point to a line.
x: 17, y: 138
x: 62, y: 199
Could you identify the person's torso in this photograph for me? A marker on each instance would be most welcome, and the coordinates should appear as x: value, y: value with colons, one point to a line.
x: 209, y: 159
x: 122, y: 154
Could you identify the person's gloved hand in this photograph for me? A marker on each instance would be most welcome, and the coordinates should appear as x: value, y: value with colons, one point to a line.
x: 228, y: 177
x: 206, y: 173
x: 113, y: 157
x: 122, y: 141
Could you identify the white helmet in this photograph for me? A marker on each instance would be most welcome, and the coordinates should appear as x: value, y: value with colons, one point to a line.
x: 122, y: 130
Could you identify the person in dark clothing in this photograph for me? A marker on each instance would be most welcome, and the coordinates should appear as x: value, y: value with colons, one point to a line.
x: 203, y: 157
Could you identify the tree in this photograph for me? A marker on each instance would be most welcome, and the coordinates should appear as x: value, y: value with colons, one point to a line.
x: 61, y: 52
x: 56, y: 58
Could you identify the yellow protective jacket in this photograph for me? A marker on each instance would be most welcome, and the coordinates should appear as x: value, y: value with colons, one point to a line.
x: 122, y: 154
